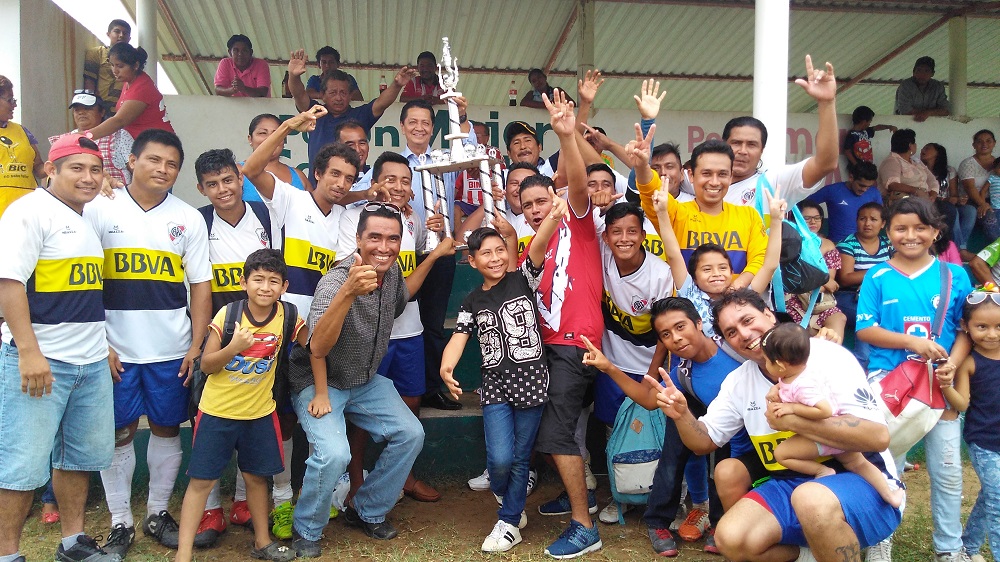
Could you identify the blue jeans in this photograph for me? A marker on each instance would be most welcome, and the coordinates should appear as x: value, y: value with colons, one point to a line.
x: 964, y: 222
x: 510, y: 436
x: 985, y: 517
x: 944, y: 466
x: 376, y: 408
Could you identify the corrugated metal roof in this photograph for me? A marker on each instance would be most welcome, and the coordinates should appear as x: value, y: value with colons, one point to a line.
x: 667, y: 37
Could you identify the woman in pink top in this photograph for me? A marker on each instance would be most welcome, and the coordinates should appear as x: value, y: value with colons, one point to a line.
x: 140, y: 105
x: 240, y: 75
x: 900, y: 176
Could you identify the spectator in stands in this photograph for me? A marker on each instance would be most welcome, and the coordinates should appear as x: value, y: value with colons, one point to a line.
x: 921, y: 95
x: 858, y: 141
x: 21, y: 164
x: 261, y: 128
x: 523, y: 145
x: 747, y: 136
x: 240, y: 75
x: 425, y: 85
x: 88, y: 112
x: 825, y: 313
x: 98, y: 76
x: 843, y: 199
x: 140, y: 106
x: 337, y: 99
x: 984, y: 265
x: 973, y: 173
x: 900, y: 176
x: 953, y: 201
x: 539, y: 85
x: 328, y: 59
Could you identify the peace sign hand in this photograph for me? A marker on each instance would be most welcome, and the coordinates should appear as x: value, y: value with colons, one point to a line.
x: 637, y: 151
x: 670, y: 400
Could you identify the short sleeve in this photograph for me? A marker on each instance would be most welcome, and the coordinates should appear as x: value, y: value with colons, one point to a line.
x: 723, y: 419
x: 990, y: 254
x: 92, y: 63
x: 889, y: 171
x: 224, y: 73
x: 18, y: 261
x: 280, y: 200
x: 465, y: 323
x: 347, y: 241
x: 967, y: 170
x: 313, y: 83
x: 216, y: 325
x: 261, y: 75
x: 869, y: 299
x: 326, y: 289
x: 197, y: 266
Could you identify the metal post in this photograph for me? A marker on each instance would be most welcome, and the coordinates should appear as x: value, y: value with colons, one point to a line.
x: 501, y: 205
x: 442, y: 196
x: 428, y: 189
x: 770, y: 76
x: 487, y: 189
x: 958, y: 56
x: 145, y: 19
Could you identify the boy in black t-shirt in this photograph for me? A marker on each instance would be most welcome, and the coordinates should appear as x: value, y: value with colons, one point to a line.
x: 515, y: 375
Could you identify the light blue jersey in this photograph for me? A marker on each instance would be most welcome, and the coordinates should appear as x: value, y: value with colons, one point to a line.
x: 906, y: 305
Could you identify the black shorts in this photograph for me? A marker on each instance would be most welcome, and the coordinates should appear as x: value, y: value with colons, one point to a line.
x: 753, y: 464
x: 258, y: 443
x: 569, y: 392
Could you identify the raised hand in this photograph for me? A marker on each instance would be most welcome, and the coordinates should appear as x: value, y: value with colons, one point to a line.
x: 561, y: 114
x: 297, y: 63
x: 777, y: 206
x: 820, y: 84
x: 649, y: 99
x: 242, y: 339
x: 404, y: 75
x: 378, y: 192
x: 306, y: 121
x: 594, y: 357
x: 587, y: 88
x: 446, y: 247
x: 559, y: 206
x: 503, y: 227
x: 670, y: 400
x: 601, y: 140
x: 637, y: 151
x: 661, y: 202
x: 361, y: 278
x: 603, y: 200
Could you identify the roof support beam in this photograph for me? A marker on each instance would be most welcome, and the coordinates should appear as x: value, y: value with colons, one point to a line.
x: 562, y: 40
x: 145, y: 19
x: 585, y: 39
x: 958, y: 66
x: 906, y: 7
x: 770, y: 63
x: 172, y: 23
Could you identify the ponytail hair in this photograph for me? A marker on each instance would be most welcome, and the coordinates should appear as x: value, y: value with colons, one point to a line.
x: 129, y: 55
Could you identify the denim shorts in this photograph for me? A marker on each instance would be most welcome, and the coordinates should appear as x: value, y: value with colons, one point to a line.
x: 73, y: 427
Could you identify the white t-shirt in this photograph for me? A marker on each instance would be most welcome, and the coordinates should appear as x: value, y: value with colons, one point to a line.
x: 742, y: 401
x: 57, y: 256
x: 228, y: 249
x: 629, y: 339
x: 310, y: 243
x: 407, y: 324
x: 788, y: 177
x: 148, y: 255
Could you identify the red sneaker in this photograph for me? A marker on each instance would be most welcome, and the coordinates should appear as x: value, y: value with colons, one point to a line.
x: 240, y: 514
x: 213, y: 524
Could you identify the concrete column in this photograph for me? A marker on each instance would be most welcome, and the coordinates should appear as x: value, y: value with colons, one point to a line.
x: 145, y: 20
x: 585, y: 38
x: 958, y: 57
x: 770, y: 76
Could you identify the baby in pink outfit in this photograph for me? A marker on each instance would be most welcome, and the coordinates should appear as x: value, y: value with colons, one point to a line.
x: 806, y: 393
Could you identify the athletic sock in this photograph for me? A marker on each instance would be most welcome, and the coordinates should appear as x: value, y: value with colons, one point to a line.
x: 240, y: 495
x: 283, y: 481
x: 117, y: 482
x: 164, y: 459
x: 213, y: 501
x: 70, y: 541
x: 702, y: 506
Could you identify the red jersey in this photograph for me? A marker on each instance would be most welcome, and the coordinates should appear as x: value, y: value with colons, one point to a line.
x: 155, y: 115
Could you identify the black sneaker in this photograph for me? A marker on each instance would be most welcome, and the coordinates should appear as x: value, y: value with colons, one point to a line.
x: 119, y: 540
x: 382, y: 531
x: 305, y: 548
x: 663, y: 542
x: 163, y: 528
x: 86, y: 549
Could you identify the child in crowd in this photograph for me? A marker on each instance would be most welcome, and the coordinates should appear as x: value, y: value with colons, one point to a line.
x: 825, y: 313
x: 806, y: 394
x: 515, y: 375
x: 994, y: 181
x: 976, y: 389
x: 237, y: 408
x: 858, y: 141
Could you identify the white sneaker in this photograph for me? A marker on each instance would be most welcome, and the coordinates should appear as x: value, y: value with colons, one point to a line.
x: 682, y: 513
x: 591, y: 479
x: 881, y: 552
x: 523, y: 522
x: 805, y: 555
x: 481, y: 483
x: 503, y: 538
x: 499, y: 499
x: 609, y: 514
x: 532, y: 481
x: 952, y: 557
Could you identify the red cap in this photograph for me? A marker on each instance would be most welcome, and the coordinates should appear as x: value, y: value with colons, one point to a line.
x: 70, y: 144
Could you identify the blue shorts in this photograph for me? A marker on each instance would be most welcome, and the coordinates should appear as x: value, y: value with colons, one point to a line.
x: 608, y: 397
x: 257, y: 441
x: 153, y: 390
x: 72, y: 427
x: 871, y: 518
x: 403, y: 364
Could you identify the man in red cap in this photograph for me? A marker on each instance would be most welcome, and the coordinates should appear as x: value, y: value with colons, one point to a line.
x: 53, y: 357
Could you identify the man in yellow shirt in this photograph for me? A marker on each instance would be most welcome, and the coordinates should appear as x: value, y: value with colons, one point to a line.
x: 97, y: 75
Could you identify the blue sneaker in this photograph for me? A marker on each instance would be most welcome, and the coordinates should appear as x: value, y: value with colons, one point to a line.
x: 560, y: 505
x: 576, y: 540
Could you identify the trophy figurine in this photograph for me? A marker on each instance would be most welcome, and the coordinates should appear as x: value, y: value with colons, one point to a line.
x: 448, y: 77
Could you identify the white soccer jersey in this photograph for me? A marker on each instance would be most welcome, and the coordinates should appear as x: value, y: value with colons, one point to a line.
x: 148, y: 255
x: 523, y: 230
x: 629, y: 339
x: 56, y: 255
x: 407, y: 324
x: 310, y: 240
x: 228, y: 249
x: 788, y: 177
x: 742, y: 401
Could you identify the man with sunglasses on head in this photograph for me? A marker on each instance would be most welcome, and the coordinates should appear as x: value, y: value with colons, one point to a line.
x: 335, y: 380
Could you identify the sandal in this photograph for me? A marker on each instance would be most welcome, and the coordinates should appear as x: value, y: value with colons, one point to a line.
x: 273, y: 551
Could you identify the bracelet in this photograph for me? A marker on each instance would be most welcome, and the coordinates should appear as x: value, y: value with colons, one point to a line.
x: 463, y: 119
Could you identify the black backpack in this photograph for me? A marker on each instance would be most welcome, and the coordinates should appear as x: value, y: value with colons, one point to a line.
x: 258, y: 208
x: 797, y: 274
x: 234, y: 314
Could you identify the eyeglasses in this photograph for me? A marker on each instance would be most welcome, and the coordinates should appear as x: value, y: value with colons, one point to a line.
x: 977, y: 297
x: 813, y: 218
x: 373, y: 206
x: 11, y: 100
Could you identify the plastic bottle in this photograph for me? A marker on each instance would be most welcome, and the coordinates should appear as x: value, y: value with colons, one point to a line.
x: 512, y: 94
x: 382, y: 86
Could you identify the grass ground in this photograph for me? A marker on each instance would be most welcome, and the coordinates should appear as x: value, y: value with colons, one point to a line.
x: 452, y: 530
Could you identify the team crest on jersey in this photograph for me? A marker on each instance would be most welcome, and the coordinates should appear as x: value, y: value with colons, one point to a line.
x: 935, y: 301
x: 175, y: 231
x: 866, y: 399
x: 262, y: 236
x: 639, y: 304
x: 409, y: 227
x: 917, y: 328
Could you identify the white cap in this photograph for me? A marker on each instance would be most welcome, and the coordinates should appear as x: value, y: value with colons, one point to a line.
x: 84, y: 98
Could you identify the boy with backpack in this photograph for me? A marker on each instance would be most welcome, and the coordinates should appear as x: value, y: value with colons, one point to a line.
x: 243, y: 357
x: 515, y: 375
